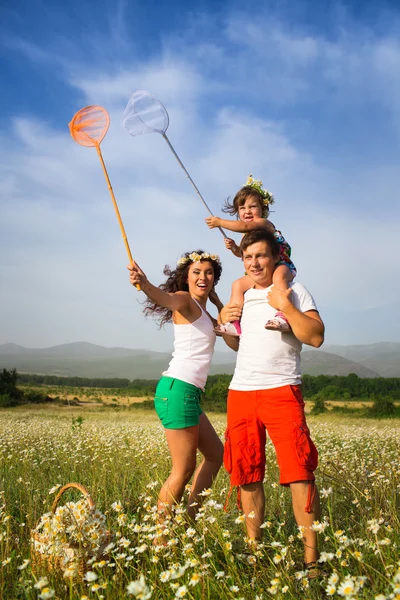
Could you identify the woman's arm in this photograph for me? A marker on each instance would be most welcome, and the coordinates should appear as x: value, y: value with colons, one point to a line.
x: 177, y: 301
x: 239, y: 226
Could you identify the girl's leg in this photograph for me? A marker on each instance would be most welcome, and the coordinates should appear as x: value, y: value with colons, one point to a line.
x: 239, y: 287
x: 182, y: 445
x: 281, y: 278
x: 212, y: 450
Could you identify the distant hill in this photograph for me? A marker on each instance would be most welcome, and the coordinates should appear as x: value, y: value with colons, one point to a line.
x: 90, y: 360
x: 324, y: 363
x: 382, y: 357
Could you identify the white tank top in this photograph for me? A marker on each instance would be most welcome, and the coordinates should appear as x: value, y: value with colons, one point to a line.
x: 193, y: 349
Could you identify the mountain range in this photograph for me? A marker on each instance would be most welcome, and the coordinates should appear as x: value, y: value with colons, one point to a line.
x: 89, y: 360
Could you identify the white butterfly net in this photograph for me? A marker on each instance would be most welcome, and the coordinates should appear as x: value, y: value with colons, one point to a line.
x: 145, y: 114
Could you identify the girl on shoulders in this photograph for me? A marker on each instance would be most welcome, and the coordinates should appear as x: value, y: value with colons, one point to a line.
x: 251, y: 207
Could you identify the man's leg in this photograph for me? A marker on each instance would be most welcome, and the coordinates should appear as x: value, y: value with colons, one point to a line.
x: 300, y: 498
x: 283, y: 416
x: 253, y: 504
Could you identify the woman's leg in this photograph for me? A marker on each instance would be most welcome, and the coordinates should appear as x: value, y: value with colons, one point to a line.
x: 182, y: 445
x: 212, y: 450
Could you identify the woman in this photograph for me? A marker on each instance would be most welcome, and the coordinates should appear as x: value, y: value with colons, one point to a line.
x: 182, y: 299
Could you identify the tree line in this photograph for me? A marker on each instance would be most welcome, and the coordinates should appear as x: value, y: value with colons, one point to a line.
x: 335, y: 387
x: 382, y: 391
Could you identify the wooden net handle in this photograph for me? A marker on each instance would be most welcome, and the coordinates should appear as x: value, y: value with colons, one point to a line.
x: 77, y: 486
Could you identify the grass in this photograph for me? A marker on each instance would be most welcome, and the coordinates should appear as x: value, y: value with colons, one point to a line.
x: 120, y: 455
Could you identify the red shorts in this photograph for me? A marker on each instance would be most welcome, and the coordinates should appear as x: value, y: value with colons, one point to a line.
x: 280, y: 411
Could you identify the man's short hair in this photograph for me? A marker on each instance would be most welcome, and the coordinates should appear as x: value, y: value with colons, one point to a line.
x: 260, y: 235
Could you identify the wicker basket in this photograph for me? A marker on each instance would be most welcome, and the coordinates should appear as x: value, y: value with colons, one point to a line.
x: 42, y: 560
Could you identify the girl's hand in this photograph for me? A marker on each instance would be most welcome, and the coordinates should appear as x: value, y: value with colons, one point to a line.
x: 213, y: 222
x: 137, y: 277
x: 232, y: 246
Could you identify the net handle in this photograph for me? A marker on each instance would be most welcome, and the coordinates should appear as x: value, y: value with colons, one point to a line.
x: 68, y: 486
x: 121, y: 225
x: 190, y: 179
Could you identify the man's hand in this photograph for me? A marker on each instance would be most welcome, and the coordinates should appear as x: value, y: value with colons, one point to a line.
x: 213, y: 222
x: 279, y: 299
x: 230, y: 312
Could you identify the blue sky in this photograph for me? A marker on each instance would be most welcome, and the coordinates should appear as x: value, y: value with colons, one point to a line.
x: 304, y: 95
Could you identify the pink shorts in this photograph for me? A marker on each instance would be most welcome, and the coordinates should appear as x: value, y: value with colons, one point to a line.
x: 280, y: 412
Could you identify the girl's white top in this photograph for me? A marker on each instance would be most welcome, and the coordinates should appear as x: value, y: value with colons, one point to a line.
x: 193, y: 349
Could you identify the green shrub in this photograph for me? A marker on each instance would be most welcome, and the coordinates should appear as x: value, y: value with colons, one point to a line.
x: 319, y: 405
x: 6, y: 400
x: 383, y: 407
x: 35, y: 397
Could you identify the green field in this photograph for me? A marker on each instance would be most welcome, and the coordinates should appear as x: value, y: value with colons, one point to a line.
x: 120, y: 455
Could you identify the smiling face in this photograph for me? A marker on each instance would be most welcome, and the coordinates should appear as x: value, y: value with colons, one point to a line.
x: 251, y: 209
x: 259, y: 262
x: 200, y: 279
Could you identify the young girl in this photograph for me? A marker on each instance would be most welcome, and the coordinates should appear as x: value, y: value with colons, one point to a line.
x: 251, y: 207
x: 182, y: 300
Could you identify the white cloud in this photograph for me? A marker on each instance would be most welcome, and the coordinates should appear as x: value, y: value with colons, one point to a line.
x: 63, y: 259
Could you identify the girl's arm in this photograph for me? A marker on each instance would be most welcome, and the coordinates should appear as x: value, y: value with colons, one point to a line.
x: 233, y: 247
x: 177, y: 301
x: 239, y: 226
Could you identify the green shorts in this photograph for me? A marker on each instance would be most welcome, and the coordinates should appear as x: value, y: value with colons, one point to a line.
x: 177, y: 403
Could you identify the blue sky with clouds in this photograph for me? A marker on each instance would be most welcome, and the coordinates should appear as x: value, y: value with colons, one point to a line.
x: 304, y: 95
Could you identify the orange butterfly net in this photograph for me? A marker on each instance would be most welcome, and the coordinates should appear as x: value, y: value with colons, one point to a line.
x: 88, y: 128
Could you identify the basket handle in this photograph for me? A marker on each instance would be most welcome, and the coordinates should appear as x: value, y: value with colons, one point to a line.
x: 79, y: 487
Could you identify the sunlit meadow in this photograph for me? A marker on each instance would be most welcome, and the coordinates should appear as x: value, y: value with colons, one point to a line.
x: 122, y: 458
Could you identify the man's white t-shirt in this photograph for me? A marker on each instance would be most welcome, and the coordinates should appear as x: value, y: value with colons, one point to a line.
x: 268, y: 359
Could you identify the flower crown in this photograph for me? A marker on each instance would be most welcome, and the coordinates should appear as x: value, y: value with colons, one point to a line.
x: 257, y: 184
x: 196, y: 257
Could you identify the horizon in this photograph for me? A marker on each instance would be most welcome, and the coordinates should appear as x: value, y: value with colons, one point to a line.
x: 304, y: 97
x: 227, y: 350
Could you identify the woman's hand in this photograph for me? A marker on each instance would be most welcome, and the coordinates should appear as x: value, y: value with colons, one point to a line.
x: 137, y: 277
x: 213, y: 222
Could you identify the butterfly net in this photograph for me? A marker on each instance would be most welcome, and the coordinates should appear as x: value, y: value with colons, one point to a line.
x: 89, y: 125
x: 145, y: 114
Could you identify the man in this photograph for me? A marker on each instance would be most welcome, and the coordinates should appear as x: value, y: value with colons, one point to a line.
x: 264, y: 394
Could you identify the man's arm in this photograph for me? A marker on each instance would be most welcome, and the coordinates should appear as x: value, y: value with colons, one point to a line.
x: 307, y: 327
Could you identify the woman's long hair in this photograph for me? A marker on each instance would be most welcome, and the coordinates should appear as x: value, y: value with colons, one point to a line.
x: 177, y: 281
